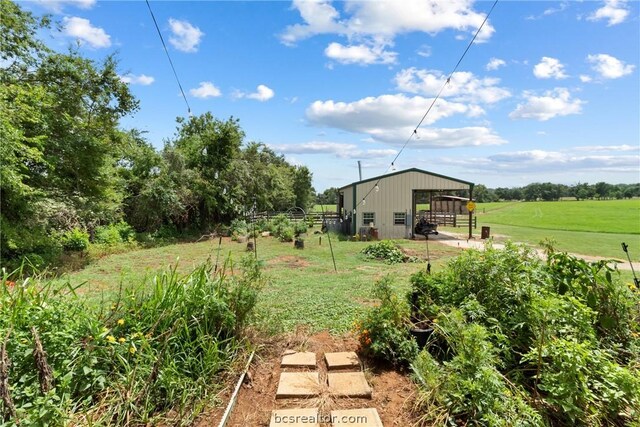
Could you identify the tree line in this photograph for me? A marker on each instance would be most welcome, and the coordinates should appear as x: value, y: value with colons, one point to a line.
x: 68, y: 167
x: 532, y: 192
x: 549, y: 192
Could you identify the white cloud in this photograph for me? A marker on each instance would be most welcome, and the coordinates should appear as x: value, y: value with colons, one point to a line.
x: 340, y: 150
x: 82, y: 30
x: 142, y: 79
x: 361, y: 54
x: 463, y: 86
x: 600, y: 148
x: 392, y: 118
x: 186, y: 37
x: 262, y: 93
x: 557, y: 102
x: 205, y: 90
x: 57, y: 6
x: 608, y: 66
x: 536, y: 161
x: 376, y: 23
x: 585, y: 79
x: 495, y: 63
x: 615, y: 11
x: 424, y: 51
x: 550, y: 11
x: 549, y: 68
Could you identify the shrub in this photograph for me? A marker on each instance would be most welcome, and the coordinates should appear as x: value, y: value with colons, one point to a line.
x: 238, y: 228
x: 75, y: 240
x: 522, y: 342
x: 282, y: 228
x: 388, y: 252
x: 384, y: 330
x: 299, y: 228
x: 113, y: 234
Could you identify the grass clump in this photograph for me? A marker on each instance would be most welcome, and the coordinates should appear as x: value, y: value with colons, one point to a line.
x: 155, y: 350
x: 387, y: 251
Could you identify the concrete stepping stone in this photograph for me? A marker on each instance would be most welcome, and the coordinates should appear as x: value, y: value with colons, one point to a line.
x: 305, y: 417
x: 349, y: 384
x: 304, y: 359
x: 343, y: 359
x: 367, y: 417
x: 298, y: 384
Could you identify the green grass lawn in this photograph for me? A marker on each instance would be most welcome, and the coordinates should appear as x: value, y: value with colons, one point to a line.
x: 602, y: 216
x: 303, y: 289
x: 590, y: 227
x: 327, y: 208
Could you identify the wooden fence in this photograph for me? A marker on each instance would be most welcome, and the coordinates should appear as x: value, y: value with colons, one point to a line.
x: 450, y: 219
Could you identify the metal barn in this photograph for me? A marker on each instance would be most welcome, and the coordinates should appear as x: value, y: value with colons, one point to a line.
x: 393, y: 208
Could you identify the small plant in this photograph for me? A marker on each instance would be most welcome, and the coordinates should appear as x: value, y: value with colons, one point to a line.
x: 387, y: 251
x: 384, y: 330
x: 299, y: 228
x: 75, y: 240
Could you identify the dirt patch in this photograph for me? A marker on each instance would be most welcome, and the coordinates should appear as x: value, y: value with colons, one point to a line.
x: 393, y: 392
x: 290, y: 261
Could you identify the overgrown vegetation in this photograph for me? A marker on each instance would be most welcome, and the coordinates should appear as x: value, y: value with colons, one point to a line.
x: 158, y: 350
x: 68, y: 169
x: 387, y: 251
x: 518, y: 341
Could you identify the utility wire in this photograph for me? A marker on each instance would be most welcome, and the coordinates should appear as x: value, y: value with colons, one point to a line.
x: 447, y: 82
x: 169, y: 57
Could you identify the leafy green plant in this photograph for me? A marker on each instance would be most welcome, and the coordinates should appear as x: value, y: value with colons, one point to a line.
x: 300, y: 228
x: 282, y: 228
x: 114, y: 234
x: 75, y: 240
x: 384, y: 330
x: 469, y: 386
x: 153, y: 350
x: 387, y: 251
x: 554, y: 342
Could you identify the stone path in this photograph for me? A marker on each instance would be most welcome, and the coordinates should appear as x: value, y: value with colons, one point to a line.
x: 346, y: 380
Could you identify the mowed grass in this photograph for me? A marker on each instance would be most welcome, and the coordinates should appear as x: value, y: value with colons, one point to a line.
x: 602, y: 216
x: 591, y: 227
x: 303, y: 288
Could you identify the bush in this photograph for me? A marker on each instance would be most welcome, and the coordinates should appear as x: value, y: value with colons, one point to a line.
x: 387, y: 251
x: 282, y: 228
x: 75, y: 240
x: 159, y: 348
x: 299, y: 228
x: 238, y: 228
x: 468, y: 387
x: 384, y: 331
x: 521, y: 342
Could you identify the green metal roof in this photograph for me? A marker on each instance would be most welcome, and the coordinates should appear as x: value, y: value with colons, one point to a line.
x: 375, y: 178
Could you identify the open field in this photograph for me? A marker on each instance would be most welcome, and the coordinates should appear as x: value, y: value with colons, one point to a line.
x: 594, y: 228
x: 603, y: 216
x: 304, y: 289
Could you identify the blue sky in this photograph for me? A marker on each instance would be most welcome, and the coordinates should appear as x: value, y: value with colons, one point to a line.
x: 549, y: 91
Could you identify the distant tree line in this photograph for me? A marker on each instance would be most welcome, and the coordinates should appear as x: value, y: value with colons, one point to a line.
x: 67, y: 168
x: 548, y: 192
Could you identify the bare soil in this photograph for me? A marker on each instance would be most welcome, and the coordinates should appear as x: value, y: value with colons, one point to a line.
x: 290, y: 261
x: 393, y: 392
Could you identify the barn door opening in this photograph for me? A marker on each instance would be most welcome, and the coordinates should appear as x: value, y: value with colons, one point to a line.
x: 422, y: 201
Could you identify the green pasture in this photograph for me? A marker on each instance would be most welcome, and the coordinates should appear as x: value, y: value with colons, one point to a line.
x: 600, y: 216
x: 303, y: 288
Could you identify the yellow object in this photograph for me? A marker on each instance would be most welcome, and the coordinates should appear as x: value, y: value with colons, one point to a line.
x: 471, y: 206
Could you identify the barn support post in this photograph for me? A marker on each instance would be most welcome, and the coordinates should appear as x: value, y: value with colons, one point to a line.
x: 470, y: 212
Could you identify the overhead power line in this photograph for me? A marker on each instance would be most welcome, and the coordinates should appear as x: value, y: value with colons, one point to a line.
x: 168, y: 57
x: 447, y: 81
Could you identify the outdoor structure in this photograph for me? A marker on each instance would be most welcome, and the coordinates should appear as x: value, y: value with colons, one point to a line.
x: 392, y: 204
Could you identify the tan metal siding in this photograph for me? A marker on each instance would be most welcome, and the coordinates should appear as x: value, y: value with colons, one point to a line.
x: 395, y: 195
